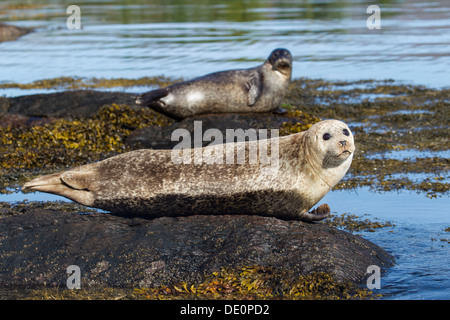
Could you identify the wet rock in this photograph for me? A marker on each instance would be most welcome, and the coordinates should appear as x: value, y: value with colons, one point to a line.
x: 4, y: 105
x: 37, y: 247
x: 67, y: 104
x: 9, y: 33
x: 13, y: 120
x: 161, y: 137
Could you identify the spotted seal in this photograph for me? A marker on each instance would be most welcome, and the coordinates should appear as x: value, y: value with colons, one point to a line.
x: 301, y: 169
x: 258, y: 89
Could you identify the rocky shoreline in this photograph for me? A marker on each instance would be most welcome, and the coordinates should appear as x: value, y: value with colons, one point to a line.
x: 38, y: 244
x: 125, y: 252
x: 113, y: 251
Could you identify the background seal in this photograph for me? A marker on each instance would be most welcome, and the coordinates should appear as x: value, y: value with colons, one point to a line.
x: 258, y: 89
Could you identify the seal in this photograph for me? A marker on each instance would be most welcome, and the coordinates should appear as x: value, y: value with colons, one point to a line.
x: 258, y: 89
x: 301, y: 169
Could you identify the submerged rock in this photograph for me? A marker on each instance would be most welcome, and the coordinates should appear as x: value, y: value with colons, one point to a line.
x: 9, y: 33
x: 67, y: 104
x: 160, y: 137
x: 116, y: 251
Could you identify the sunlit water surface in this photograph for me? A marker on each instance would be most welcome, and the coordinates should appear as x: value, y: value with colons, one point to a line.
x: 328, y: 39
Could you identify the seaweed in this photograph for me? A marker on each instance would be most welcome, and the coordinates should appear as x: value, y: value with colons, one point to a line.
x: 245, y: 283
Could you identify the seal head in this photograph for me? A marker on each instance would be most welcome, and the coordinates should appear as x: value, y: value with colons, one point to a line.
x: 281, y: 61
x: 329, y: 146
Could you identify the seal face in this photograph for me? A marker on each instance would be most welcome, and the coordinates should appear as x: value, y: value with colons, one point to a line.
x: 258, y: 89
x: 302, y: 168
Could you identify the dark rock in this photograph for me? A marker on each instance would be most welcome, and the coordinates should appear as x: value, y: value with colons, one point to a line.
x: 67, y: 104
x: 161, y: 137
x: 4, y: 105
x: 13, y: 120
x: 37, y: 247
x: 9, y: 33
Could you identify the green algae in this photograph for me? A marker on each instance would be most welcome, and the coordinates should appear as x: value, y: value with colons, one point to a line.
x: 351, y: 222
x: 429, y: 188
x: 394, y: 174
x: 303, y: 122
x: 245, y: 283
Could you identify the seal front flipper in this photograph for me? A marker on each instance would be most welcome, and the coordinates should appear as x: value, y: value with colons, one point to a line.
x: 320, y: 213
x: 151, y: 97
x: 71, y: 184
x: 253, y: 85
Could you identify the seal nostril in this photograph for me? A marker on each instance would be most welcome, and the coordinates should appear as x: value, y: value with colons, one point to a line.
x: 343, y: 143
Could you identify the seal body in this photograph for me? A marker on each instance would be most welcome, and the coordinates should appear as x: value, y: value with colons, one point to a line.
x: 299, y: 170
x: 258, y: 89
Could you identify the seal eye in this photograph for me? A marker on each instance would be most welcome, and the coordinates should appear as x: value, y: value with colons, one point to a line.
x: 345, y: 132
x: 326, y: 136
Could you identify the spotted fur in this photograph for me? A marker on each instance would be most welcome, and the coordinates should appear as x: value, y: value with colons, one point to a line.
x: 148, y: 183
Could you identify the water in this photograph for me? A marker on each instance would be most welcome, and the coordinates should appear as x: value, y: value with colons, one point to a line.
x: 328, y: 39
x: 422, y: 267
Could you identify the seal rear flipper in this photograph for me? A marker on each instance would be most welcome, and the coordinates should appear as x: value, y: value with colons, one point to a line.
x: 48, y: 180
x: 54, y: 184
x: 83, y: 197
x: 151, y: 96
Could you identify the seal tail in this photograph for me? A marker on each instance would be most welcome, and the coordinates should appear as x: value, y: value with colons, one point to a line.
x: 148, y: 98
x: 67, y: 184
x: 320, y: 213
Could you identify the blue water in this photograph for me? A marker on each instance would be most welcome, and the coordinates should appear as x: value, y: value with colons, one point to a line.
x: 422, y: 260
x: 328, y: 39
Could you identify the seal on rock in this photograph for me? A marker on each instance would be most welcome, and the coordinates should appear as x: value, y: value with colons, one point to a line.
x: 258, y: 89
x: 302, y: 168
